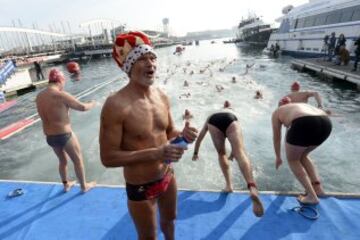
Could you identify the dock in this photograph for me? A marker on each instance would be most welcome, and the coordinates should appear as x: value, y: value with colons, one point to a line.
x: 44, y: 211
x: 328, y: 69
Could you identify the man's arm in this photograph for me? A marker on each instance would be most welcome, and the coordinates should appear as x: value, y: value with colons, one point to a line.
x: 199, y: 140
x: 276, y: 126
x: 73, y: 103
x: 317, y: 97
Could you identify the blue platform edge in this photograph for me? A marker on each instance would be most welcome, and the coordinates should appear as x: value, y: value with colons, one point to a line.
x: 44, y: 211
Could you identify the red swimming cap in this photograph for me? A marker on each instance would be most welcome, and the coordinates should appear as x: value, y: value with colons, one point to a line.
x: 128, y: 47
x: 295, y: 86
x: 284, y: 100
x: 56, y: 76
x: 73, y: 67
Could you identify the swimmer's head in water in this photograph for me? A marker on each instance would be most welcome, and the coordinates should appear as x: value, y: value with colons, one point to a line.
x: 295, y: 86
x: 284, y: 101
x: 129, y: 47
x: 227, y: 104
x: 56, y: 76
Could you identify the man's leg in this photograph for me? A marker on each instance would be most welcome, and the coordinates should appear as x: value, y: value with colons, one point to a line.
x: 311, y: 171
x: 294, y: 154
x: 63, y: 159
x: 234, y: 135
x: 218, y: 139
x: 167, y: 208
x: 143, y: 214
x: 356, y: 62
x: 72, y: 148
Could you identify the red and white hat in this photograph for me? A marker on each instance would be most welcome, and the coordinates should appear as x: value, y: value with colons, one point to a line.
x: 128, y: 47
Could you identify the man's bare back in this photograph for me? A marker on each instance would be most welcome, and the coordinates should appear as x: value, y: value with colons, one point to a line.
x: 287, y: 113
x: 53, y: 111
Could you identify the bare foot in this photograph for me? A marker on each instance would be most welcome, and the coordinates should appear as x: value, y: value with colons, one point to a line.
x: 227, y: 190
x: 319, y: 190
x: 258, y: 208
x: 307, y: 199
x: 69, y: 185
x: 88, y: 186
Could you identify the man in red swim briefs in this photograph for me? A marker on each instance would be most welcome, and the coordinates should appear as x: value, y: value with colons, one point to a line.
x: 135, y: 129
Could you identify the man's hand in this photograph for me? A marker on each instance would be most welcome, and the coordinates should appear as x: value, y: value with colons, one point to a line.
x: 189, y: 133
x: 171, y: 152
x: 278, y: 162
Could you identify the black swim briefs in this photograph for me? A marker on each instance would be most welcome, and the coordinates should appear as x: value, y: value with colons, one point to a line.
x: 309, y: 131
x: 222, y: 120
x: 59, y: 140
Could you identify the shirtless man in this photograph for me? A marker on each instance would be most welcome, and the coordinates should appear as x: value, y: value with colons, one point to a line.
x: 221, y: 125
x: 53, y: 106
x: 298, y: 96
x: 136, y: 126
x: 307, y: 128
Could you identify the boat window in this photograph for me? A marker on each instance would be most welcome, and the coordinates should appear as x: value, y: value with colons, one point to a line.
x: 320, y: 19
x: 347, y: 14
x: 356, y: 15
x: 300, y: 23
x: 334, y: 17
x: 309, y: 21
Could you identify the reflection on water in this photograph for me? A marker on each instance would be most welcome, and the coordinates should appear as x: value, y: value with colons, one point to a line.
x: 26, y: 156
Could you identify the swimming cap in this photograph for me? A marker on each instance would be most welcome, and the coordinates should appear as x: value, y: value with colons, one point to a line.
x: 73, y: 67
x: 56, y: 76
x: 284, y: 100
x: 295, y: 86
x: 227, y: 104
x: 129, y: 47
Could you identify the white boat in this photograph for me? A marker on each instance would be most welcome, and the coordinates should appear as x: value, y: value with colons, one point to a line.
x: 303, y: 28
x: 253, y: 31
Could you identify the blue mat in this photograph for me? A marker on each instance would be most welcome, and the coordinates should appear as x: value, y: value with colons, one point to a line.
x: 45, y: 212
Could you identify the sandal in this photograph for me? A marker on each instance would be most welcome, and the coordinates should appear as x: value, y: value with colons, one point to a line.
x: 15, y: 193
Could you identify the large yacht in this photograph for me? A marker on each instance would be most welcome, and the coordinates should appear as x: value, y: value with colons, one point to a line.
x: 253, y: 31
x: 303, y: 28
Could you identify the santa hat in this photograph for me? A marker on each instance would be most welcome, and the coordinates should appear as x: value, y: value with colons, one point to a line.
x: 129, y: 47
x: 56, y: 76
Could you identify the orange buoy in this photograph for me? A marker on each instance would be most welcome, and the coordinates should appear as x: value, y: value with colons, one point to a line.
x: 73, y: 67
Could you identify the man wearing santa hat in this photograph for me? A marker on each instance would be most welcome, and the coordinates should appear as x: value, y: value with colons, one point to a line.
x: 135, y: 129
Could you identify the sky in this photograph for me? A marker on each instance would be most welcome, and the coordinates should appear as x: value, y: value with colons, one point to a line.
x: 184, y: 16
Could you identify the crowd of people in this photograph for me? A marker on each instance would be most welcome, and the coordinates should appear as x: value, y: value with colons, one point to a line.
x: 138, y: 137
x: 336, y: 47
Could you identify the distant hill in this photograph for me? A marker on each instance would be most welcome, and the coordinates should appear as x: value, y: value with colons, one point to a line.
x: 210, y: 34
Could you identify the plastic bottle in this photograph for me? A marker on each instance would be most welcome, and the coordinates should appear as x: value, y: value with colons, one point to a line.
x: 179, y: 141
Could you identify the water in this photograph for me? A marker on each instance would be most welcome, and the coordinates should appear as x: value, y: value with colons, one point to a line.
x: 26, y: 156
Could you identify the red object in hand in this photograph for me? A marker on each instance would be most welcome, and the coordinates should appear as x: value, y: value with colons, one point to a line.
x: 73, y: 67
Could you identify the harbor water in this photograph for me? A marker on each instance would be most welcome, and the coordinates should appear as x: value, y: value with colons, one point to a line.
x: 26, y: 156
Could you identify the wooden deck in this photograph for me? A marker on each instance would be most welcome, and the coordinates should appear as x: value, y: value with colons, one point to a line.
x: 328, y: 69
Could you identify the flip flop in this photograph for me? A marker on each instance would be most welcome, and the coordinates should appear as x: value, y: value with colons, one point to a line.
x: 15, y: 193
